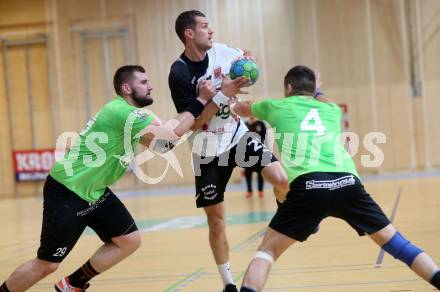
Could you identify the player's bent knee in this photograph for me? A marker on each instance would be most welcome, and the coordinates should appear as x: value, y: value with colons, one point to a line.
x: 135, y: 240
x: 52, y: 267
x: 131, y: 241
x: 264, y: 256
x: 47, y: 268
x: 275, y: 174
x: 400, y: 248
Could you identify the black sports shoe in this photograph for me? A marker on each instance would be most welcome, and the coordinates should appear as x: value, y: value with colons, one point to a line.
x: 230, y: 288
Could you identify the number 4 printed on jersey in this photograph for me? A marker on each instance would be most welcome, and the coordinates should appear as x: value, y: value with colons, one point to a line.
x: 316, y: 125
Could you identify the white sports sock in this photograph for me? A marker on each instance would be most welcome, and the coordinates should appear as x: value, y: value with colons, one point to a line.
x: 225, y: 273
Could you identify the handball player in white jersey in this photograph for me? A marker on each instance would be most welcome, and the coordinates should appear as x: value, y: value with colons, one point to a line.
x: 220, y: 141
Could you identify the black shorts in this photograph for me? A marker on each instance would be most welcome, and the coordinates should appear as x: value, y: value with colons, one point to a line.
x: 66, y: 215
x: 213, y: 173
x: 315, y: 196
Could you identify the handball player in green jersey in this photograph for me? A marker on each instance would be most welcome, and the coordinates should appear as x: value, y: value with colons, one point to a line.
x: 323, y: 181
x: 77, y: 194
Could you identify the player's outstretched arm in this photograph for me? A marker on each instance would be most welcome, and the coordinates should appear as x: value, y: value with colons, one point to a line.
x: 242, y: 108
x: 170, y: 130
x: 208, y: 112
x: 318, y: 93
x: 175, y: 128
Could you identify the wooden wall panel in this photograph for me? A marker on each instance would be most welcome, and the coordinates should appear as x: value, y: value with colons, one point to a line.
x: 96, y: 75
x: 277, y: 47
x: 305, y: 32
x: 431, y: 119
x: 41, y: 107
x: 21, y: 106
x: 41, y: 97
x: 389, y: 71
x: 420, y: 137
x: 429, y: 12
x: 6, y: 175
x: 360, y: 47
x: 402, y: 129
x: 344, y: 63
x: 117, y: 58
x: 19, y: 99
x: 17, y: 13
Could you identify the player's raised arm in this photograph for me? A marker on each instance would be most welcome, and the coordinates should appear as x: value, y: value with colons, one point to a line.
x: 319, y: 95
x: 242, y: 108
x: 208, y: 112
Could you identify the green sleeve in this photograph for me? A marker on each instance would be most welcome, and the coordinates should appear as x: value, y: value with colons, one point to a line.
x: 133, y: 121
x: 260, y: 109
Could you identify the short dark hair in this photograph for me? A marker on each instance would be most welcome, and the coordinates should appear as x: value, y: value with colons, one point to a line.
x: 302, y: 79
x: 186, y: 19
x: 123, y: 74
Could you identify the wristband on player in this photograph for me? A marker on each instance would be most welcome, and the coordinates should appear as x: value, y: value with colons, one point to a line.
x: 195, y: 108
x: 220, y: 98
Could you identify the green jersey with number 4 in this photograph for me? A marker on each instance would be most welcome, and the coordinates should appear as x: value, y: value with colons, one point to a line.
x: 101, y: 154
x: 308, y: 134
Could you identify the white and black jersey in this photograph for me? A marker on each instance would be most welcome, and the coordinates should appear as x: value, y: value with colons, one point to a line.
x: 223, y: 138
x: 222, y: 131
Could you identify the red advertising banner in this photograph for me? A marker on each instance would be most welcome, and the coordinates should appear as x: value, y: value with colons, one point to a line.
x: 33, y: 165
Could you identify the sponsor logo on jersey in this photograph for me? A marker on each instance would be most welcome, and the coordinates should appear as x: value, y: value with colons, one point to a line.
x: 223, y: 112
x: 92, y: 206
x: 217, y: 131
x: 331, y: 184
x: 140, y: 114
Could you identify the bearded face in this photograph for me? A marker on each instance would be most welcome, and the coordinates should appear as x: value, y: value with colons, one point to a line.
x: 140, y: 90
x: 141, y: 99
